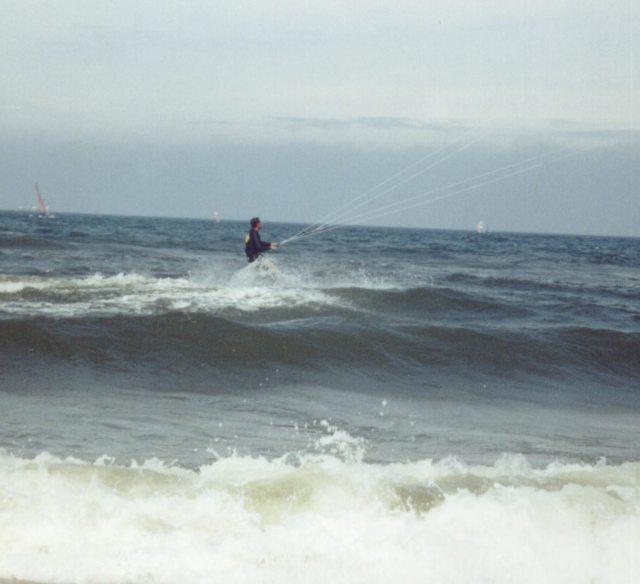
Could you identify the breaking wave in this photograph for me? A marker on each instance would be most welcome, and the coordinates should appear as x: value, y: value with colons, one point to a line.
x: 317, y: 518
x: 136, y: 294
x: 250, y: 317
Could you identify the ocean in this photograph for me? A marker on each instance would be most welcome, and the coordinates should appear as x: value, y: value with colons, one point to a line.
x: 371, y: 405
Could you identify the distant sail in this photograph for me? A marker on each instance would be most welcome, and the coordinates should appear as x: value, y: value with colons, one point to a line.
x: 43, y: 208
x: 481, y: 227
x: 216, y: 217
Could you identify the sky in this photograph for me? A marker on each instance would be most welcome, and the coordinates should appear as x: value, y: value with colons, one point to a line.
x: 290, y: 109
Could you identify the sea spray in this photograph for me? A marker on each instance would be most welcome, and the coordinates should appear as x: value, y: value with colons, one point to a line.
x: 246, y: 519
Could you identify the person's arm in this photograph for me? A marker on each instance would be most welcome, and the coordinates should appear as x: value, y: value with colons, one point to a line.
x: 260, y: 245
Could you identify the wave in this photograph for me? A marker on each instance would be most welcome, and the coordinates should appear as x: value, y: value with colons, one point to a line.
x: 317, y: 518
x: 536, y: 284
x: 321, y: 343
x: 136, y: 294
x: 205, y: 341
x: 232, y: 321
x: 252, y: 290
x: 139, y: 294
x: 431, y: 299
x: 18, y: 241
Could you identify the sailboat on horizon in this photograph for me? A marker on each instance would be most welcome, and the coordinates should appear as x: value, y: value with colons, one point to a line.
x: 42, y: 208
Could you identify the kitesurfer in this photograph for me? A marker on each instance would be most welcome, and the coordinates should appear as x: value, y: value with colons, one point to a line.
x: 254, y: 246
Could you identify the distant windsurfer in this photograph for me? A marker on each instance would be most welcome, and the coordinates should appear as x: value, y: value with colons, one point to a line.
x: 254, y: 246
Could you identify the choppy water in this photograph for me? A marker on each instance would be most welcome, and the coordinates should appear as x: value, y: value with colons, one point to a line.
x: 424, y: 405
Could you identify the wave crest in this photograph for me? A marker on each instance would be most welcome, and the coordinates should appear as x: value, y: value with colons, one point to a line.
x: 250, y: 519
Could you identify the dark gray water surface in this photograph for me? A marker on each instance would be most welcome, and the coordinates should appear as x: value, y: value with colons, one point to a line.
x: 139, y: 337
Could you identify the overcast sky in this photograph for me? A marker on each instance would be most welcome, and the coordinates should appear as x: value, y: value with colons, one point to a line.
x: 288, y: 108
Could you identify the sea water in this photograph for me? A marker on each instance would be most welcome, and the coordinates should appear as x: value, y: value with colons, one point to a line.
x: 380, y: 405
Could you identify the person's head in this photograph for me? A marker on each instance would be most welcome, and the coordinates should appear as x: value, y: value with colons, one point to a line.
x: 256, y: 223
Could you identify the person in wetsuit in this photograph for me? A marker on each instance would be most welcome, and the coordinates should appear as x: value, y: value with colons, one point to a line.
x: 254, y: 246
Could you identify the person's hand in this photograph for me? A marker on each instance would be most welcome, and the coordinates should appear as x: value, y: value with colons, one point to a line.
x: 275, y: 245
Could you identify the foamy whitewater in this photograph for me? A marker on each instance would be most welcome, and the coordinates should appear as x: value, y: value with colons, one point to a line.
x: 318, y: 518
x: 379, y: 405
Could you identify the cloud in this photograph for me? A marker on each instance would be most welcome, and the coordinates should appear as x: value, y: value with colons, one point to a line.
x: 373, y: 122
x: 337, y: 70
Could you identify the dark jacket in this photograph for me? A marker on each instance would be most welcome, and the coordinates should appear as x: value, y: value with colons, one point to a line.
x: 254, y: 246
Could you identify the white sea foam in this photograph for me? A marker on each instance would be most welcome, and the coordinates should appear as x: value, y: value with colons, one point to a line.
x: 138, y: 294
x: 211, y: 288
x: 319, y: 519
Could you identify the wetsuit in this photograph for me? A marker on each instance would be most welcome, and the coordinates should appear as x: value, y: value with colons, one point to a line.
x: 254, y: 246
